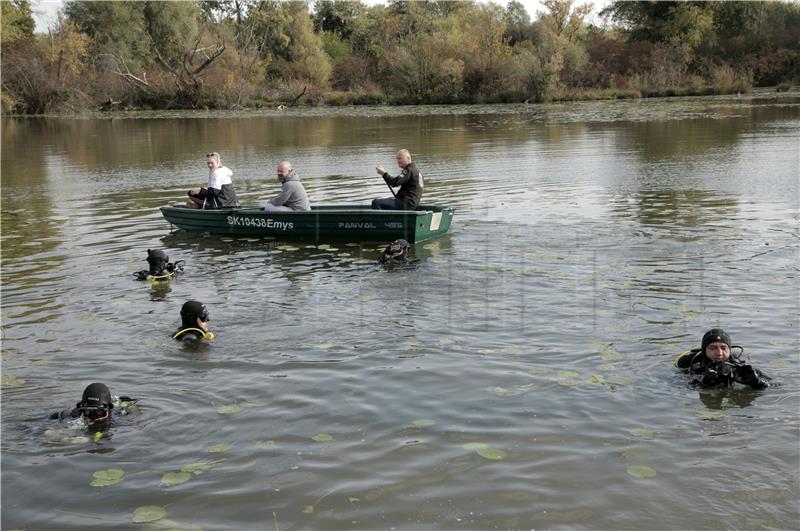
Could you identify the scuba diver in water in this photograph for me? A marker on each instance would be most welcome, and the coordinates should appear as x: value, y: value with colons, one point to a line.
x: 160, y: 267
x: 716, y: 364
x: 95, y: 407
x: 194, y: 323
x: 395, y: 253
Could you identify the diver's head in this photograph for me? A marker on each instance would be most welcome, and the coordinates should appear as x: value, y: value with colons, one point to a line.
x: 194, y: 314
x: 158, y: 261
x: 397, y: 250
x: 716, y: 345
x: 96, y: 403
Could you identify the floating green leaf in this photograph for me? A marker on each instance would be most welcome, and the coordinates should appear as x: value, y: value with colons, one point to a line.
x: 220, y: 448
x: 264, y: 443
x: 308, y: 509
x: 537, y: 372
x: 200, y: 467
x: 491, y: 453
x: 597, y: 379
x: 710, y: 415
x: 107, y: 477
x: 642, y: 432
x: 227, y: 410
x: 606, y: 367
x: 622, y: 380
x: 421, y: 423
x: 170, y: 479
x: 148, y: 513
x: 366, y: 298
x: 322, y: 437
x: 567, y: 382
x: 476, y: 446
x: 779, y: 363
x: 567, y: 374
x: 502, y: 391
x: 11, y: 381
x: 641, y: 471
x: 352, y: 499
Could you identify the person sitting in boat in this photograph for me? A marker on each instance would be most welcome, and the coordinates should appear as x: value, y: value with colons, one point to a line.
x: 96, y: 406
x: 160, y: 267
x: 715, y: 364
x: 194, y: 323
x: 220, y: 192
x: 293, y: 197
x: 410, y: 183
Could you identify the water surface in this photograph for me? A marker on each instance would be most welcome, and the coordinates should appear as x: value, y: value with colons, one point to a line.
x: 507, y: 379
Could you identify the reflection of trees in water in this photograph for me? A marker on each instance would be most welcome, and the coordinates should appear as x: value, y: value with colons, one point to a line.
x: 684, y: 208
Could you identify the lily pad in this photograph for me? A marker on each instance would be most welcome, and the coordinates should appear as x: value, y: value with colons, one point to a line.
x: 476, y: 446
x: 107, y: 477
x: 148, y: 513
x: 200, y: 467
x: 220, y: 448
x: 641, y: 471
x: 597, y: 379
x: 567, y: 382
x: 622, y: 380
x: 502, y: 391
x: 642, y: 432
x: 421, y: 423
x: 491, y: 453
x: 11, y: 381
x: 779, y: 363
x: 170, y: 479
x: 322, y: 437
x: 567, y: 374
x: 228, y: 410
x: 606, y: 367
x: 308, y: 509
x: 265, y: 443
x: 710, y: 415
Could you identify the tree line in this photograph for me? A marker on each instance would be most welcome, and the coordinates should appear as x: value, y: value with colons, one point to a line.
x: 234, y: 54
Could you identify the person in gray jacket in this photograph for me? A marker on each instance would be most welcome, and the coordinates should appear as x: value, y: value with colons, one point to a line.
x: 293, y: 197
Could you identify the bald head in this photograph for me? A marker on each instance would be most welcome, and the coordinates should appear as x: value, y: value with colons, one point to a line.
x: 284, y: 169
x: 403, y: 158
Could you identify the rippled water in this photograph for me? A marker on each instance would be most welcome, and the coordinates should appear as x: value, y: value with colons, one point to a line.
x: 507, y: 379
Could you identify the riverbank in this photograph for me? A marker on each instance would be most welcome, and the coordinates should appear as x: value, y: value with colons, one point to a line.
x: 347, y: 99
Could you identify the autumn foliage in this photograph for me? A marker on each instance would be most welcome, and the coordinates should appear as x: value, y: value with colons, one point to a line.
x: 236, y: 54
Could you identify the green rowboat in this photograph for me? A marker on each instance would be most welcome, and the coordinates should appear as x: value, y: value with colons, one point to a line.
x: 321, y: 223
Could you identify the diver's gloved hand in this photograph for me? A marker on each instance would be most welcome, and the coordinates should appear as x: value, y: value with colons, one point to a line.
x: 749, y: 375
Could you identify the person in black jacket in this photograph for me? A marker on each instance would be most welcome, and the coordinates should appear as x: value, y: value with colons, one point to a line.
x: 715, y: 364
x: 194, y: 323
x: 410, y: 183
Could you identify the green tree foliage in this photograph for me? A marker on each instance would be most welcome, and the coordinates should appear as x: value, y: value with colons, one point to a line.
x: 235, y: 53
x: 17, y: 22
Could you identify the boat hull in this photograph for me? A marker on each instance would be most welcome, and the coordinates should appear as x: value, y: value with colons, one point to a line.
x: 321, y: 223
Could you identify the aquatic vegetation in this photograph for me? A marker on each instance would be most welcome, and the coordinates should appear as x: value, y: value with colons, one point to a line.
x: 421, y: 423
x: 220, y: 448
x: 483, y: 450
x: 107, y: 477
x: 710, y: 415
x: 10, y: 380
x: 641, y: 471
x: 642, y: 432
x: 171, y: 479
x: 147, y: 514
x: 265, y: 443
x: 322, y: 437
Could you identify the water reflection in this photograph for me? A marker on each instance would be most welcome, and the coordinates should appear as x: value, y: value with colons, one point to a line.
x: 543, y: 325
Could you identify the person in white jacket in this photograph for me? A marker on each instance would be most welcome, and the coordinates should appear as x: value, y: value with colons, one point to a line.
x: 220, y: 192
